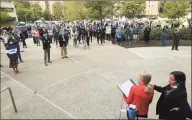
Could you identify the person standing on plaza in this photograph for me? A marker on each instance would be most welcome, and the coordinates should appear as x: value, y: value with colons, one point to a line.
x: 33, y: 35
x: 63, y: 45
x: 108, y: 32
x: 83, y: 33
x: 113, y: 29
x: 98, y: 32
x: 23, y: 37
x: 88, y: 35
x: 172, y: 104
x: 56, y: 35
x: 176, y: 39
x: 37, y: 39
x: 136, y: 33
x: 103, y: 34
x: 91, y: 33
x: 118, y: 35
x: 50, y: 34
x: 147, y: 34
x: 11, y: 50
x: 74, y: 37
x: 46, y: 48
x: 16, y: 41
x: 128, y: 34
x: 164, y: 36
x: 5, y: 37
x: 79, y: 34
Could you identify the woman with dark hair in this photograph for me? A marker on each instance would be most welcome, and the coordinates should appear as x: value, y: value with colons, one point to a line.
x: 172, y: 104
x: 11, y: 50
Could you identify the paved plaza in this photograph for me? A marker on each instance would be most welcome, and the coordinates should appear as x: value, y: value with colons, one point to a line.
x: 84, y: 86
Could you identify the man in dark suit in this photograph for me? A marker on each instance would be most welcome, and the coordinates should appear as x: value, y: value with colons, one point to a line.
x: 46, y: 48
x: 88, y: 35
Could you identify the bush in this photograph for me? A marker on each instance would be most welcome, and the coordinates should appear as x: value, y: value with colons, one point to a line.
x: 156, y: 34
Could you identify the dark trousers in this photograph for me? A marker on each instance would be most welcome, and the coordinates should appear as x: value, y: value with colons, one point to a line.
x: 18, y: 52
x: 37, y: 41
x: 91, y: 37
x: 118, y: 40
x: 34, y: 40
x: 108, y: 36
x: 175, y: 44
x: 88, y: 38
x: 79, y: 37
x: 46, y: 55
x: 51, y: 38
x: 24, y: 43
x: 99, y: 38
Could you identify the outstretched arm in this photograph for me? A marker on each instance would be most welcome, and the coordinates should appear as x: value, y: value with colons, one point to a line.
x: 159, y: 88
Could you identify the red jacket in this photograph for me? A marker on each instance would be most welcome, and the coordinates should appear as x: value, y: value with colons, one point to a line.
x: 137, y: 96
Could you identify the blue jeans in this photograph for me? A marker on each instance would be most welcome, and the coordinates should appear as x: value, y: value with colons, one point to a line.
x: 164, y: 40
x: 128, y: 38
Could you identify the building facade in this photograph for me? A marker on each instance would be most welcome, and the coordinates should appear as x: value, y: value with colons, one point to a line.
x: 10, y: 8
x: 152, y: 8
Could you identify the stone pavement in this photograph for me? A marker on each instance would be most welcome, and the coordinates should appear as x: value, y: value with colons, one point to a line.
x: 84, y: 86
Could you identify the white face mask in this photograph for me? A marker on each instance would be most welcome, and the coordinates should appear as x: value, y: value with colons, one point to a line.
x: 10, y: 42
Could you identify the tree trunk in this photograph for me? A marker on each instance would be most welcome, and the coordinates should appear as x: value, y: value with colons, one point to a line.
x: 100, y: 13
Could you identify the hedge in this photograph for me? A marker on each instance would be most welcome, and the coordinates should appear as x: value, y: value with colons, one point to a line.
x: 156, y: 34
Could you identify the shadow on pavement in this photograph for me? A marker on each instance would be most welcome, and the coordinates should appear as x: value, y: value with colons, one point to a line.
x: 153, y: 43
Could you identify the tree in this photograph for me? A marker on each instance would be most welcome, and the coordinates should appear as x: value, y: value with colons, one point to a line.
x: 46, y: 15
x: 22, y: 9
x: 4, y: 16
x: 35, y: 12
x: 28, y: 12
x: 176, y: 9
x: 58, y: 9
x: 133, y: 9
x: 98, y: 9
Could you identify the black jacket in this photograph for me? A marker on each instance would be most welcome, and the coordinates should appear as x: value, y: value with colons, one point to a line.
x: 176, y: 98
x: 46, y: 42
x: 62, y: 43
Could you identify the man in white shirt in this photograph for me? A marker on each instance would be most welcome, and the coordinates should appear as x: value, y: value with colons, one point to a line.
x: 108, y: 32
x: 50, y: 34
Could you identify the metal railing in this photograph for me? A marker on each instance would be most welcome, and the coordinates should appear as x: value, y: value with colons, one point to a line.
x: 12, y: 98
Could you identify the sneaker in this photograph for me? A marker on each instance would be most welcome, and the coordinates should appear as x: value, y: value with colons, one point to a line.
x: 62, y: 57
x: 46, y: 64
x: 66, y: 57
x: 49, y: 62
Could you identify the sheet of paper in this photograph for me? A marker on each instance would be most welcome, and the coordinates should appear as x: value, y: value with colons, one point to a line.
x: 125, y: 87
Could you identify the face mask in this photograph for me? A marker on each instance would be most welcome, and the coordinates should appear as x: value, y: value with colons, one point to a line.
x: 10, y: 42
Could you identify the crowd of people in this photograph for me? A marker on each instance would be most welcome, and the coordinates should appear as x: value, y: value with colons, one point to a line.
x: 173, y: 100
x: 80, y: 33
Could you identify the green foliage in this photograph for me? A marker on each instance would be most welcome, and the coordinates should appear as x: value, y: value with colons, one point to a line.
x: 74, y: 10
x: 58, y: 9
x: 28, y: 11
x: 47, y: 15
x: 175, y: 9
x: 99, y: 9
x: 133, y: 9
x: 35, y: 12
x: 4, y: 16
